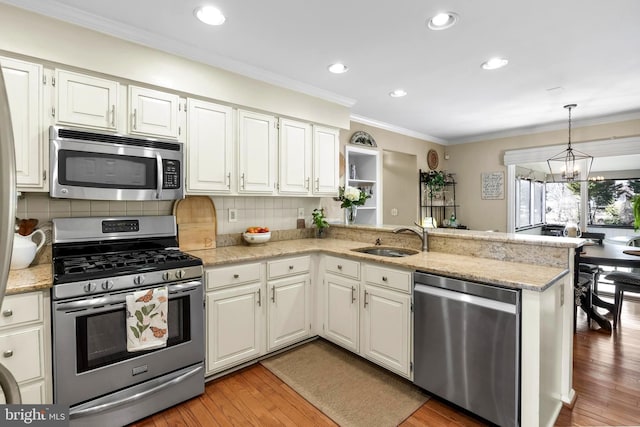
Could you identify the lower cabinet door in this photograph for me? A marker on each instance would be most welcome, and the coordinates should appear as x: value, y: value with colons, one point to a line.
x: 341, y: 311
x: 21, y: 351
x: 288, y: 311
x: 29, y: 394
x: 235, y: 321
x: 386, y: 328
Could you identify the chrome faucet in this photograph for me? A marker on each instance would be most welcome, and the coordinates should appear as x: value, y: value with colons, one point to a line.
x: 422, y: 234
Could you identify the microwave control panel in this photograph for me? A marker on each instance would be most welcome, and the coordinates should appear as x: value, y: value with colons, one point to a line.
x: 171, y: 174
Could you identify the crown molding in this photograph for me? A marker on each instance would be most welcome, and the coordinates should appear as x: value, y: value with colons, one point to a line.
x: 397, y: 129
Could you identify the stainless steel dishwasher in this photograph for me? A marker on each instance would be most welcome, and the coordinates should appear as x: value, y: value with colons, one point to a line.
x: 467, y: 345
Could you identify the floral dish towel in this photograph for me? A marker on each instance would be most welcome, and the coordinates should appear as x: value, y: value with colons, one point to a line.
x: 147, y: 319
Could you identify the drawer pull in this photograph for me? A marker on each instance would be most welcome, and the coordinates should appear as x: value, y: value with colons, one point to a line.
x: 259, y: 298
x: 7, y: 313
x: 235, y: 276
x: 339, y: 267
x: 384, y: 278
x: 365, y: 299
x: 7, y: 353
x: 291, y: 267
x: 273, y: 294
x: 353, y: 294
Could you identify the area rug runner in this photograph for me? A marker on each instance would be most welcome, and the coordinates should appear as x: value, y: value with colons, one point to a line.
x: 348, y: 389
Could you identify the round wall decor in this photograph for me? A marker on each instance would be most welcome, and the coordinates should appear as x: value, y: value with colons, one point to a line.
x: 363, y: 138
x: 432, y: 159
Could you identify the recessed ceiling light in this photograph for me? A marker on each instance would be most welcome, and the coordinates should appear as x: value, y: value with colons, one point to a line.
x: 338, y: 68
x: 495, y: 63
x: 210, y: 15
x: 398, y: 93
x: 442, y: 21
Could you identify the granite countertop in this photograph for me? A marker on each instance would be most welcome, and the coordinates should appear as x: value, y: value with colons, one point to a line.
x: 510, y: 274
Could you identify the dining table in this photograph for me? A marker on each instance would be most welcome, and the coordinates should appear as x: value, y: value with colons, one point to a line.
x: 611, y: 255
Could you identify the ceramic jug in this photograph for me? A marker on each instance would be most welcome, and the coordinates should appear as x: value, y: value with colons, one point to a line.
x: 572, y: 230
x: 25, y: 249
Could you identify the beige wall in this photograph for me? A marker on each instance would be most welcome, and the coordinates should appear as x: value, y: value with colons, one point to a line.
x: 41, y: 39
x: 389, y: 141
x: 470, y: 160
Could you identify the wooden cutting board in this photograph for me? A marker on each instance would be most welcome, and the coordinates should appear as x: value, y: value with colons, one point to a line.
x: 197, y: 223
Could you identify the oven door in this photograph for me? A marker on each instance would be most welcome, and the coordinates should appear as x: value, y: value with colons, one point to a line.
x: 111, y: 171
x: 90, y: 355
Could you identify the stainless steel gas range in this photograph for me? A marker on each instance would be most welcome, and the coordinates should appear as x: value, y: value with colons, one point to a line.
x: 97, y: 262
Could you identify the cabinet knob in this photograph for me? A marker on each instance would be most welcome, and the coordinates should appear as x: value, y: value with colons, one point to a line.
x: 7, y: 353
x: 7, y: 313
x: 339, y: 267
x: 235, y: 276
x: 291, y: 267
x: 384, y: 278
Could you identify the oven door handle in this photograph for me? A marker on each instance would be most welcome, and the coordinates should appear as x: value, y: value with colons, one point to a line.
x: 159, y: 175
x: 125, y: 400
x: 120, y: 298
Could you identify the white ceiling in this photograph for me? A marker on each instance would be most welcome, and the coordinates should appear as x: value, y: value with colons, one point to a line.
x: 570, y: 51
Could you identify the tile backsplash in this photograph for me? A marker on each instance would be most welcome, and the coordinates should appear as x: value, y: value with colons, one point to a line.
x: 277, y: 213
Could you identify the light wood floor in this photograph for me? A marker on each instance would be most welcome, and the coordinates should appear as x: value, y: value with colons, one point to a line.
x: 606, y: 378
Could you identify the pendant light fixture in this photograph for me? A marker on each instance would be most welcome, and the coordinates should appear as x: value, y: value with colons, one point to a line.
x: 564, y: 164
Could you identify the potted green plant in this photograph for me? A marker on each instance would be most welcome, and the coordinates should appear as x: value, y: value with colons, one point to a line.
x: 319, y: 221
x: 434, y: 180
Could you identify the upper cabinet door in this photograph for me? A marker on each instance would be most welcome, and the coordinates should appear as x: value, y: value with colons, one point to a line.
x: 295, y: 157
x: 24, y: 91
x: 86, y: 101
x: 326, y: 146
x: 152, y: 112
x: 209, y: 147
x: 257, y: 142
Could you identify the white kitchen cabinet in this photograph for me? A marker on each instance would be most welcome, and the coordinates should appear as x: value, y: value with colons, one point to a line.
x: 341, y: 317
x: 235, y: 326
x: 257, y: 147
x: 210, y: 147
x: 86, y: 101
x: 153, y: 113
x: 295, y: 157
x: 326, y: 146
x: 24, y: 84
x: 288, y: 308
x: 25, y: 344
x: 386, y: 320
x: 363, y: 172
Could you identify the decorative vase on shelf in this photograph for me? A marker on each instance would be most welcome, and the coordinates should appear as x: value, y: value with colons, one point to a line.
x: 352, y: 211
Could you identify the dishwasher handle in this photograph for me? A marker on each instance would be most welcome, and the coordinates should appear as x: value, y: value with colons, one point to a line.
x: 466, y: 298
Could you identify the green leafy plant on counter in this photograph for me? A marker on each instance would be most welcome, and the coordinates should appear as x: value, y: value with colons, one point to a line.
x: 319, y: 220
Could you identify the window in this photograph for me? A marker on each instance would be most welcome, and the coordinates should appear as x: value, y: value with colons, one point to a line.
x: 610, y: 202
x: 562, y: 202
x: 530, y: 197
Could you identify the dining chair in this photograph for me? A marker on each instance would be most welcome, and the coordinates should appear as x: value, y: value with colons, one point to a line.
x: 623, y: 281
x: 582, y: 297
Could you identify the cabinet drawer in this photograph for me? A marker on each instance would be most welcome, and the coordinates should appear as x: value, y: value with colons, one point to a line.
x: 390, y: 278
x: 20, y: 352
x: 20, y: 309
x: 343, y: 267
x: 288, y: 267
x: 233, y: 275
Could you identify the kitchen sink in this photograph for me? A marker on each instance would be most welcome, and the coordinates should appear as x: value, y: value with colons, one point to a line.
x: 386, y: 251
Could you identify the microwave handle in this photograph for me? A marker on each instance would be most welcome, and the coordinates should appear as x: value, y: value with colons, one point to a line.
x: 160, y: 172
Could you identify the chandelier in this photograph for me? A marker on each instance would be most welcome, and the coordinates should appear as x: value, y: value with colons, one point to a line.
x: 564, y: 163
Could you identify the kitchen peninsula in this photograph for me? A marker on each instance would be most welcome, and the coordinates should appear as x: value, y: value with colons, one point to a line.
x: 539, y: 266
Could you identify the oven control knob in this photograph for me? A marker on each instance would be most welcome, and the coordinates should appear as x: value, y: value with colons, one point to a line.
x: 138, y: 280
x: 90, y: 287
x: 166, y: 275
x: 180, y: 274
x: 107, y: 285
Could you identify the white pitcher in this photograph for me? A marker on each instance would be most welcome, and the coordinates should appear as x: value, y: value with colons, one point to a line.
x: 572, y: 230
x: 25, y: 249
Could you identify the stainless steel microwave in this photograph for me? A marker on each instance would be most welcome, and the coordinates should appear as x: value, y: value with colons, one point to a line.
x: 104, y: 166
